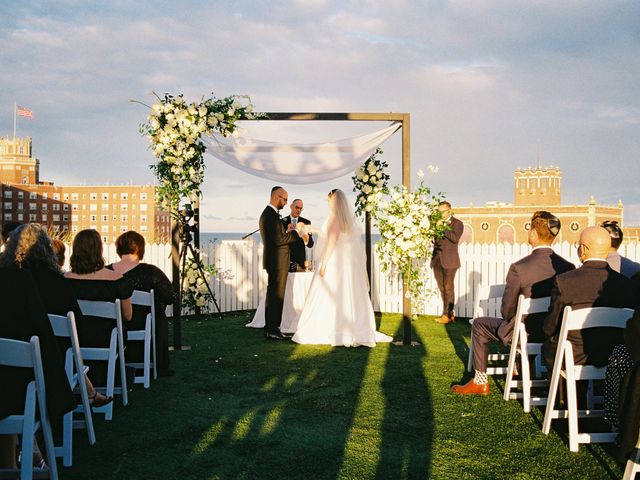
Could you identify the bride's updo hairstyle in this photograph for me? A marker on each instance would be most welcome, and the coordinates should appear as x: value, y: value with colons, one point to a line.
x: 338, y: 203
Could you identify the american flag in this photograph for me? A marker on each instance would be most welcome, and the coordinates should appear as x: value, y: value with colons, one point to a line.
x: 24, y: 112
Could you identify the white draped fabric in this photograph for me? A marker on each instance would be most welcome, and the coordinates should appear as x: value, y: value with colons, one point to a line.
x: 298, y: 163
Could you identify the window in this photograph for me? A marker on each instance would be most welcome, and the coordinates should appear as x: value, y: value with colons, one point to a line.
x: 93, y: 207
x: 143, y: 207
x: 105, y: 207
x: 56, y: 218
x: 56, y: 196
x: 143, y: 229
x: 123, y: 218
x: 65, y: 218
x: 33, y: 206
x: 65, y: 197
x: 20, y: 206
x: 105, y: 218
x: 105, y: 196
x: 45, y: 195
x: 123, y: 228
x: 74, y: 228
x: 93, y: 218
x: 20, y: 217
x: 74, y: 196
x: 44, y: 217
x: 93, y: 227
x: 105, y: 239
x: 8, y: 194
x: 124, y: 196
x: 20, y: 194
x: 65, y: 207
x: 74, y: 218
x: 104, y: 228
x: 56, y: 207
x: 44, y: 207
x: 84, y: 196
x: 8, y: 205
x: 123, y: 207
x: 8, y: 216
x: 94, y: 196
x: 143, y: 196
x: 32, y: 217
x: 143, y: 219
x: 32, y: 195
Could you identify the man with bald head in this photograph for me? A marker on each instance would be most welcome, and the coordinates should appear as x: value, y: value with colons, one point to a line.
x: 275, y: 240
x: 594, y: 284
x: 297, y: 250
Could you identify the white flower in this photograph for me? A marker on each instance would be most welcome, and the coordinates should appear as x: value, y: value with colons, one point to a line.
x: 365, y: 178
x: 433, y: 168
x: 420, y: 173
x: 367, y: 189
x: 371, y: 168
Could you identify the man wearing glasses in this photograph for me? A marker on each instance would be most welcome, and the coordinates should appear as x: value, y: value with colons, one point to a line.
x: 594, y: 284
x: 297, y: 250
x: 275, y: 240
x: 532, y: 277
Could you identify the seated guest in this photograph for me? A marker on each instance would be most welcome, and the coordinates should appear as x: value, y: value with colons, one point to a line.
x: 90, y: 280
x: 143, y: 276
x: 531, y: 276
x: 23, y: 315
x: 7, y: 228
x: 623, y: 357
x: 594, y: 284
x: 59, y: 249
x: 297, y: 252
x: 621, y: 264
x: 30, y: 247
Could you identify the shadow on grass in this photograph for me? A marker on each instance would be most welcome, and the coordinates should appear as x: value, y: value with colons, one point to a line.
x: 407, y: 428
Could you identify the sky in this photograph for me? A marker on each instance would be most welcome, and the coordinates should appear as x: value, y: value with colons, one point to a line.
x: 488, y: 84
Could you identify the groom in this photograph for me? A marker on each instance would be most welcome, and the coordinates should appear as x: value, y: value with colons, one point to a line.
x: 276, y: 241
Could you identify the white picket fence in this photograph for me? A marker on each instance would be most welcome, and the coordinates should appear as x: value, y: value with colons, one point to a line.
x: 482, y: 264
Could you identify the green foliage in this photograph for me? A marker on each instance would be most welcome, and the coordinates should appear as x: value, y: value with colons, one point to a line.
x: 370, y: 183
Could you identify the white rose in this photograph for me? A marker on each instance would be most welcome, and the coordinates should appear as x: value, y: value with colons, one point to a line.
x: 407, y: 233
x: 420, y: 173
x: 367, y: 189
x: 371, y: 168
x: 179, y: 100
x: 192, y: 110
x: 380, y: 184
x: 365, y: 178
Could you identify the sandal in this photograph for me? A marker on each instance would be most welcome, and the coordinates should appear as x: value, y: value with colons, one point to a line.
x: 99, y: 401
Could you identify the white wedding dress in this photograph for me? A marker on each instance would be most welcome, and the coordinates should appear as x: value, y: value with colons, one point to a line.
x: 337, y: 310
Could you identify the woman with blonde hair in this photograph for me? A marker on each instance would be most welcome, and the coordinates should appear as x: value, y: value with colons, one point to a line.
x: 338, y: 310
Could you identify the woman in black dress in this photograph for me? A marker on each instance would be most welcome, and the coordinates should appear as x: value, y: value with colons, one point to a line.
x: 91, y: 281
x: 130, y: 248
x: 30, y: 247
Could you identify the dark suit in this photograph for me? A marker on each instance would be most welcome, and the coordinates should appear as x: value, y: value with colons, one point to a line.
x: 445, y: 260
x: 276, y: 241
x: 532, y: 276
x: 594, y: 284
x: 297, y: 251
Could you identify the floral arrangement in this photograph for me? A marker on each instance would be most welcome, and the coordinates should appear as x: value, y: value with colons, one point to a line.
x: 409, y: 223
x: 370, y: 182
x: 194, y: 287
x: 175, y: 127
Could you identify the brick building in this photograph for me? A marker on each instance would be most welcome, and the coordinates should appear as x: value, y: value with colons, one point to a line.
x: 535, y: 189
x: 109, y: 209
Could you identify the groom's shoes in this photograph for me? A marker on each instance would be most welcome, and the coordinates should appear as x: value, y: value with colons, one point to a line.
x: 274, y: 336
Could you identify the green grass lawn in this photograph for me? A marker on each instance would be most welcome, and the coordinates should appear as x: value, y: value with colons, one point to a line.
x: 242, y: 407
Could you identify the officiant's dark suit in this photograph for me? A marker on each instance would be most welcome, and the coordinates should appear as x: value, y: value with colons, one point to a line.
x: 594, y: 284
x: 445, y: 261
x: 275, y: 241
x: 297, y: 249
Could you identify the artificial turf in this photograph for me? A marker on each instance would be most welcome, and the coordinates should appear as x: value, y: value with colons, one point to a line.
x: 243, y: 407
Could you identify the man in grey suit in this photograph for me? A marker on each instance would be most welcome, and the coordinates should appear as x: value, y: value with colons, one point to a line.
x: 445, y: 261
x: 594, y: 284
x: 532, y: 277
x: 617, y: 262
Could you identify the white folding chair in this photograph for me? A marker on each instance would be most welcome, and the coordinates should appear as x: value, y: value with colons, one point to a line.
x: 65, y: 327
x: 115, y: 351
x: 564, y: 366
x: 488, y: 300
x: 14, y: 353
x: 520, y: 347
x: 633, y: 464
x: 148, y: 336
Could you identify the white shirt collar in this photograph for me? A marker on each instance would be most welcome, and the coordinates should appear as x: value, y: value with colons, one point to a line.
x: 269, y: 205
x: 595, y: 260
x: 540, y: 246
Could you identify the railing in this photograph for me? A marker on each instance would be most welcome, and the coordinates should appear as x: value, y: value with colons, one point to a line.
x: 482, y: 264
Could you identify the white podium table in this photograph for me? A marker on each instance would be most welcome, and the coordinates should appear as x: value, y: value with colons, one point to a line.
x: 294, y: 297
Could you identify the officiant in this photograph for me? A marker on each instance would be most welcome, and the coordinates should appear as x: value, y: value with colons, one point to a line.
x: 297, y: 249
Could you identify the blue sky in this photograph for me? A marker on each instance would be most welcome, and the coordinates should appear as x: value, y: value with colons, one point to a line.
x: 485, y: 83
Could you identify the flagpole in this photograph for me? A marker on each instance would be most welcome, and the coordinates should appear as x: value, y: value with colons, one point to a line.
x: 15, y: 111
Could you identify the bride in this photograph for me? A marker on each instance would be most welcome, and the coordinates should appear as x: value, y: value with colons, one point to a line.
x: 338, y: 310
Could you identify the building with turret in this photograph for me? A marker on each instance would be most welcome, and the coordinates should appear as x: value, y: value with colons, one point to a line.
x: 535, y: 189
x: 109, y: 209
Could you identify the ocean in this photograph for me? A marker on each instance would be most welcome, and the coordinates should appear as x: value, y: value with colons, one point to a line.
x: 212, y: 237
